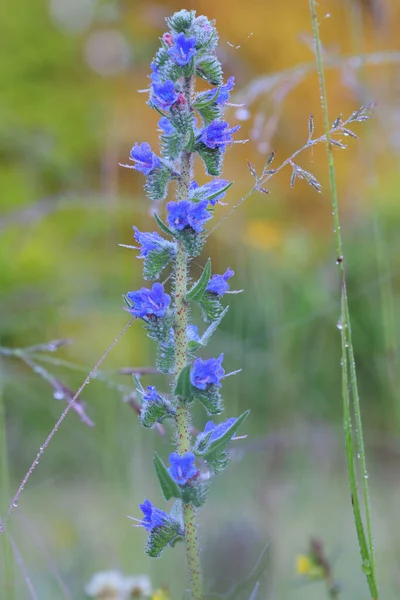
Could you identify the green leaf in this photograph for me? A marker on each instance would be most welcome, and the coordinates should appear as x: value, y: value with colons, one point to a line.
x: 210, y: 399
x: 199, y: 288
x: 211, y: 307
x: 165, y: 361
x: 157, y: 182
x: 181, y: 20
x: 195, y: 493
x: 183, y: 388
x: 156, y: 261
x: 217, y: 446
x: 162, y: 225
x: 212, y: 157
x: 162, y: 536
x: 210, y: 69
x: 169, y: 487
x: 192, y: 242
x: 212, y: 328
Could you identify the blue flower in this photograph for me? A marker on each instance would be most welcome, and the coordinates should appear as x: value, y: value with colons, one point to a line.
x: 218, y: 284
x: 217, y: 135
x: 153, y: 517
x: 148, y: 241
x: 209, y: 189
x: 149, y: 302
x: 166, y: 126
x: 146, y: 160
x: 207, y: 372
x: 221, y: 97
x: 183, y: 49
x: 218, y: 430
x: 182, y: 467
x: 164, y: 94
x: 188, y: 214
x: 151, y: 395
x: 155, y: 74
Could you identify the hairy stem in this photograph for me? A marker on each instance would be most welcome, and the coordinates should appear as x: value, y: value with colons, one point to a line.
x: 349, y: 378
x: 182, y: 410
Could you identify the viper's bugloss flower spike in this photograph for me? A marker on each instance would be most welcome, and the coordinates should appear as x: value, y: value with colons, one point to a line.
x: 207, y: 372
x: 147, y: 302
x: 218, y: 430
x: 188, y: 214
x: 145, y: 159
x: 218, y: 284
x: 164, y: 94
x: 183, y: 49
x: 182, y: 467
x: 217, y: 135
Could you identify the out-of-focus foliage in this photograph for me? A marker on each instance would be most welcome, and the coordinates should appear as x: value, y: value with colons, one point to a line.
x: 70, y: 112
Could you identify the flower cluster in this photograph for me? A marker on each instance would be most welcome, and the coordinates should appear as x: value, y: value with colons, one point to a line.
x: 190, y: 124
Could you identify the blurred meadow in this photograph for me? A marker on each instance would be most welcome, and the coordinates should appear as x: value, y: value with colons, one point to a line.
x: 70, y: 112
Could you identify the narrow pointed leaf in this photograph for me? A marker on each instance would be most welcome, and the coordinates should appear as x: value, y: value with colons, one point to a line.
x: 183, y: 388
x: 199, y: 288
x: 169, y: 487
x: 162, y: 225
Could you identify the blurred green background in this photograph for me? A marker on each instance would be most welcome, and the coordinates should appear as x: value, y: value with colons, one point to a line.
x: 70, y: 72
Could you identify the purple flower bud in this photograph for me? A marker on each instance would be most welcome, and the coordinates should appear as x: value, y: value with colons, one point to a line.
x: 188, y: 214
x: 217, y: 135
x: 207, y: 372
x: 182, y: 467
x: 218, y: 284
x: 149, y: 302
x: 183, y: 50
x: 146, y: 160
x: 164, y: 94
x: 168, y: 38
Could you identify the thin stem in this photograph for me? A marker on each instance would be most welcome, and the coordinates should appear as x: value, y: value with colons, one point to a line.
x: 366, y: 548
x: 5, y: 541
x: 181, y: 351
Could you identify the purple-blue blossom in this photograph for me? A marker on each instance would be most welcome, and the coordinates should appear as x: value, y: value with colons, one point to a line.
x: 153, y: 517
x: 188, y: 214
x: 218, y: 430
x: 183, y: 50
x: 182, y: 467
x: 217, y: 135
x: 149, y: 302
x: 145, y: 159
x: 218, y: 284
x: 151, y: 394
x: 164, y: 94
x: 165, y: 124
x: 149, y: 242
x: 222, y: 95
x: 155, y: 74
x: 208, y: 190
x: 207, y: 372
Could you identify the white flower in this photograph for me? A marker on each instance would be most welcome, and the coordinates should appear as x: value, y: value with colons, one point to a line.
x: 107, y: 585
x: 137, y: 586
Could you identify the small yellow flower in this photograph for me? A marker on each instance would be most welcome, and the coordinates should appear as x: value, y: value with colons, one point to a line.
x: 303, y: 565
x: 306, y: 566
x: 160, y: 595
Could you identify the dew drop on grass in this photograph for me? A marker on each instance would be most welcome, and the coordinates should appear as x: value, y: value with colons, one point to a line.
x: 58, y: 396
x: 339, y: 325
